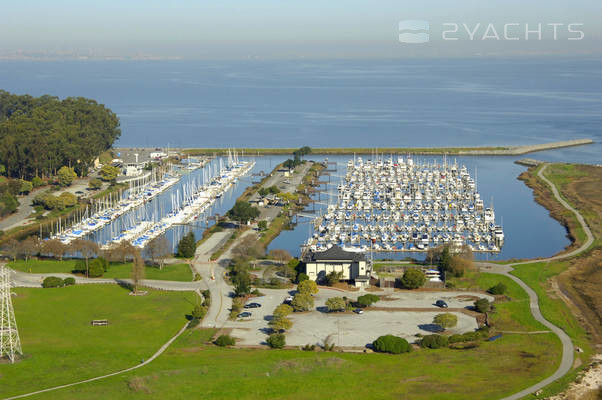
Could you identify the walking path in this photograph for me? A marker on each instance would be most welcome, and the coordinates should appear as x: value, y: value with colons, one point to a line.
x: 567, y: 345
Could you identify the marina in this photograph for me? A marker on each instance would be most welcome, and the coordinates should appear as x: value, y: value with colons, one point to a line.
x: 406, y: 206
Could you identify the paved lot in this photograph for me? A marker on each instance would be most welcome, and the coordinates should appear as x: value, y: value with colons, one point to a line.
x: 349, y: 329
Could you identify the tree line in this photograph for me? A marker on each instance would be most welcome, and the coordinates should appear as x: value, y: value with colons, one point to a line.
x: 39, y: 135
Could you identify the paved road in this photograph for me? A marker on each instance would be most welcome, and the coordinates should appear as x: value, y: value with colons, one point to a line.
x: 25, y: 209
x: 567, y: 345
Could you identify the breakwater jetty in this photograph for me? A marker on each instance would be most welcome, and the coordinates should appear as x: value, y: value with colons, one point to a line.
x: 463, y: 151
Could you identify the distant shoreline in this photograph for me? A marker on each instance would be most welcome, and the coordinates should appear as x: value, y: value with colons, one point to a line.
x: 461, y: 151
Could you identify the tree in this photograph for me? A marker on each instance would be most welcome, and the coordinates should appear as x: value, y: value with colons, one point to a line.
x: 137, y: 271
x: 65, y: 176
x: 280, y: 255
x: 333, y: 277
x: 281, y: 324
x: 158, y: 248
x: 308, y: 287
x: 367, y: 300
x: 96, y: 268
x: 29, y: 247
x: 283, y: 310
x: 242, y: 282
x: 199, y: 312
x: 391, y: 344
x: 26, y: 186
x: 336, y: 304
x: 302, y: 277
x: 69, y: 281
x: 500, y: 288
x: 482, y: 305
x: 108, y: 173
x: 11, y: 248
x: 243, y: 212
x: 262, y: 225
x: 36, y: 182
x: 445, y: 320
x: 276, y: 340
x: 54, y: 247
x: 413, y: 278
x: 95, y: 184
x: 445, y: 258
x: 303, y: 301
x: 86, y: 248
x: 187, y: 245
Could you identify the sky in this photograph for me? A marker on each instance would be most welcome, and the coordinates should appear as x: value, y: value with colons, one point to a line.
x: 228, y: 29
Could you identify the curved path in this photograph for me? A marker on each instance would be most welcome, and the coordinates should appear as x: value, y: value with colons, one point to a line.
x: 142, y: 364
x: 567, y: 345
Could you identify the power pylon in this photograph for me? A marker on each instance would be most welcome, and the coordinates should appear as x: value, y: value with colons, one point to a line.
x: 10, y: 344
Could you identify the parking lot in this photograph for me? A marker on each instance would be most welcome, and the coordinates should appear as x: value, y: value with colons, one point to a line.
x: 350, y: 329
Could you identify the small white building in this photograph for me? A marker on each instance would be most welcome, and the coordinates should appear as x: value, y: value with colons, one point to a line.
x: 353, y: 265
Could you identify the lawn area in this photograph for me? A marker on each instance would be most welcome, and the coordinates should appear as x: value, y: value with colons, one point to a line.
x: 192, y: 369
x: 61, y: 346
x: 173, y: 272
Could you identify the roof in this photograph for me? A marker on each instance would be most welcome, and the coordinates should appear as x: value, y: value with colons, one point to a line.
x: 335, y: 253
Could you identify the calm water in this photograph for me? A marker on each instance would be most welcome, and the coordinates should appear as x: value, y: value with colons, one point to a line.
x: 351, y: 103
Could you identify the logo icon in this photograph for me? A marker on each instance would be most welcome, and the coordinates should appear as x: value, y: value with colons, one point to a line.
x: 414, y: 31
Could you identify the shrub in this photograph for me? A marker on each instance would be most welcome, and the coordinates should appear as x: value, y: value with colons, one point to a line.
x: 302, y: 277
x: 36, y: 182
x: 434, y: 341
x: 52, y: 282
x: 307, y: 287
x: 262, y: 225
x: 276, y: 340
x: 500, y: 288
x: 413, y: 278
x: 456, y: 338
x: 367, y: 300
x: 225, y: 340
x: 336, y: 304
x: 303, y: 301
x: 483, y: 331
x: 482, y: 305
x: 308, y: 347
x: 96, y: 268
x: 470, y: 336
x: 391, y: 344
x: 446, y: 320
x: 69, y: 281
x: 199, y: 312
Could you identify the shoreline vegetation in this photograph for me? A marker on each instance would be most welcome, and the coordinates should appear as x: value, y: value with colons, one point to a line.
x: 464, y: 151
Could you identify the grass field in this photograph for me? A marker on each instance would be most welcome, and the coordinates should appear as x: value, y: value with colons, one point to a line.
x: 191, y: 369
x: 173, y: 272
x: 61, y: 346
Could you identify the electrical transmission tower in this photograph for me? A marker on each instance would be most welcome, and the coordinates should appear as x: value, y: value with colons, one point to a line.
x: 10, y: 344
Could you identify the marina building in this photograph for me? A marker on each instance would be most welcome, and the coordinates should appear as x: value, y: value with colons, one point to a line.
x: 353, y: 265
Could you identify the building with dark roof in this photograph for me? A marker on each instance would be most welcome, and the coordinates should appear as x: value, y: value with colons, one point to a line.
x: 352, y: 264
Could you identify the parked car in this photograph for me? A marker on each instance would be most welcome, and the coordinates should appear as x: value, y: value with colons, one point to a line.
x: 244, y: 314
x: 358, y: 311
x: 288, y: 300
x: 79, y: 192
x: 441, y: 303
x: 252, y: 305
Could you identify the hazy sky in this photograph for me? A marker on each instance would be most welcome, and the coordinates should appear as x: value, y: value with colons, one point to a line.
x: 294, y: 28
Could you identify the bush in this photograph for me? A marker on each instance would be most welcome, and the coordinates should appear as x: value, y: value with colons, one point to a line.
x: 302, y: 277
x: 69, y: 281
x: 225, y: 340
x: 367, y: 300
x: 276, y: 340
x: 262, y: 225
x: 413, y: 278
x: 52, y: 282
x: 36, y: 182
x: 303, y: 301
x: 434, y: 341
x: 500, y: 288
x: 446, y: 320
x: 470, y: 336
x: 307, y: 287
x: 483, y: 331
x: 308, y: 347
x: 482, y: 305
x: 456, y: 338
x: 336, y: 304
x: 199, y: 312
x: 391, y: 344
x: 96, y: 268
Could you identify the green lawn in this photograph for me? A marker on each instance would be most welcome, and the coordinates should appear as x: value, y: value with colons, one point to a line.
x: 61, y: 346
x: 174, y: 272
x: 192, y: 369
